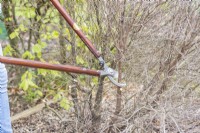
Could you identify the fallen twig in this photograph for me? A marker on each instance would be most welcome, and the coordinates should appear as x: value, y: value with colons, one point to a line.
x: 30, y: 111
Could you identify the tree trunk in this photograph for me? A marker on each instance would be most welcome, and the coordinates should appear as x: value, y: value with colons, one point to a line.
x: 96, y: 112
x: 10, y: 26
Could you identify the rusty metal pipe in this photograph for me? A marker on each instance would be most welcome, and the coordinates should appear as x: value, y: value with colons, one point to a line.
x: 75, y: 27
x: 44, y: 65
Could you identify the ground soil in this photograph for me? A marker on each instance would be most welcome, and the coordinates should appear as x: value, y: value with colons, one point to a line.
x: 45, y: 121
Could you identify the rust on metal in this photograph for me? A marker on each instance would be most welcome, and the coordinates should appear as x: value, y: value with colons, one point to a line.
x: 75, y: 27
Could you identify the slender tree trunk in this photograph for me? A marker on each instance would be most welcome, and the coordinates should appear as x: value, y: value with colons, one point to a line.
x: 74, y: 89
x: 96, y: 112
x: 121, y: 46
x: 10, y: 25
x: 62, y: 42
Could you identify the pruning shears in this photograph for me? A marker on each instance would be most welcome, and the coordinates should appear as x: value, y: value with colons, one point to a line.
x: 105, y: 72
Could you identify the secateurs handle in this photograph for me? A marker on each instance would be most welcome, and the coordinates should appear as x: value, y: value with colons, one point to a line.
x: 75, y: 27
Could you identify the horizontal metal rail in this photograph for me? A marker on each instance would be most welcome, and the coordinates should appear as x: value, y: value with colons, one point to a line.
x: 44, y: 65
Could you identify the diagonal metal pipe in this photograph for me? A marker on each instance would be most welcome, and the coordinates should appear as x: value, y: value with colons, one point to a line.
x: 75, y: 27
